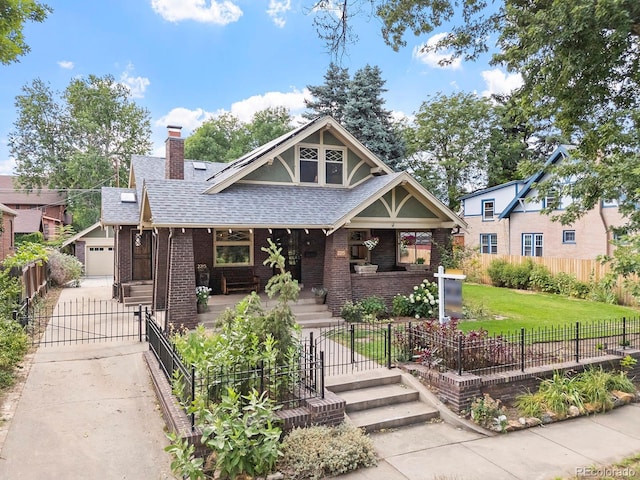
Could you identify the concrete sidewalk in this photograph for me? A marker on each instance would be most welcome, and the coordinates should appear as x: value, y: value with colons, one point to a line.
x: 439, y: 451
x: 86, y: 412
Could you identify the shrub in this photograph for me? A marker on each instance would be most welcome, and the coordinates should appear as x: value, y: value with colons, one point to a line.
x: 529, y: 404
x: 13, y: 346
x: 604, y: 290
x: 318, y: 452
x: 559, y: 393
x: 401, y: 307
x: 64, y: 268
x: 541, y: 280
x: 351, y: 312
x: 485, y: 411
x: 242, y: 433
x: 496, y: 272
x: 373, y: 305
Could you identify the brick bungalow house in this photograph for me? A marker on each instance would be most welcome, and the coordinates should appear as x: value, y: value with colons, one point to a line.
x: 506, y: 219
x: 316, y: 191
x: 7, y: 219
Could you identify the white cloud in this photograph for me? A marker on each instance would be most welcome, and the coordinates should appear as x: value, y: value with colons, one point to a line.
x: 277, y: 9
x: 294, y: 101
x: 7, y: 166
x: 500, y: 83
x: 136, y: 85
x: 66, y: 64
x: 432, y: 58
x: 189, y: 120
x: 205, y: 11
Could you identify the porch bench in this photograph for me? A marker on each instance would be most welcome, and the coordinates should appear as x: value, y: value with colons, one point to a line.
x: 239, y: 280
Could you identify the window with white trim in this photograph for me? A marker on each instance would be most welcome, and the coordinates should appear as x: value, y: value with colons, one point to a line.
x: 322, y: 165
x: 532, y: 244
x: 568, y: 236
x: 488, y: 210
x: 489, y: 243
x: 233, y: 248
x: 414, y: 244
x: 308, y: 164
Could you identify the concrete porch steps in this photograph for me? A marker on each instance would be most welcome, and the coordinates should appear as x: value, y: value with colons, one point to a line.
x: 378, y: 399
x: 138, y: 293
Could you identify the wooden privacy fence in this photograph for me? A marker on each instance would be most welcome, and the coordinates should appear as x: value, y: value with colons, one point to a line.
x: 584, y: 270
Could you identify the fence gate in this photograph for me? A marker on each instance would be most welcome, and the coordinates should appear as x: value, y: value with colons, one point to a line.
x: 354, y: 347
x: 81, y: 321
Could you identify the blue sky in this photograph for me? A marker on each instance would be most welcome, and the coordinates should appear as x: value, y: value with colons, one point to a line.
x: 186, y: 60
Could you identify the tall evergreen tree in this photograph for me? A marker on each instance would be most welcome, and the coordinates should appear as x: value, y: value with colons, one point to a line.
x: 331, y: 97
x: 358, y: 105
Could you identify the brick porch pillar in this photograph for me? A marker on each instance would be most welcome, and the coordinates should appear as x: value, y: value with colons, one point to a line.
x: 161, y: 272
x: 181, y: 291
x: 337, y: 276
x: 441, y: 238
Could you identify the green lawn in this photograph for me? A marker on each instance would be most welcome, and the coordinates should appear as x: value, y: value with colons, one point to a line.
x: 519, y: 308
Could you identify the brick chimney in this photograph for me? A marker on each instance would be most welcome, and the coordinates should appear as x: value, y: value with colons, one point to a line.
x: 174, y: 163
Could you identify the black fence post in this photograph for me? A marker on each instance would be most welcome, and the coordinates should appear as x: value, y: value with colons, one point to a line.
x: 577, y: 342
x: 389, y: 346
x: 624, y: 333
x: 261, y: 368
x: 193, y: 396
x: 353, y: 343
x: 322, y: 373
x: 410, y: 341
x: 522, y: 349
x: 140, y: 320
x: 459, y: 354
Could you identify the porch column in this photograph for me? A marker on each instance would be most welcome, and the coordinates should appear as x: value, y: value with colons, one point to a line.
x: 181, y: 291
x: 161, y: 271
x: 337, y: 276
x: 441, y: 238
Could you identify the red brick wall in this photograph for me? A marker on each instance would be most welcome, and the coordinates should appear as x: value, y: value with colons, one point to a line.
x: 337, y: 277
x: 386, y: 284
x: 440, y: 239
x: 312, y: 249
x: 80, y: 252
x: 124, y: 269
x: 384, y: 255
x: 181, y: 298
x: 174, y: 163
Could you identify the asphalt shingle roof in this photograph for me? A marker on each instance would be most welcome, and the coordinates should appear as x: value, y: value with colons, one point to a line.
x: 177, y: 202
x: 117, y: 212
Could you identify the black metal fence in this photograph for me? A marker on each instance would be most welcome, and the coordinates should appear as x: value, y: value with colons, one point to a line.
x: 81, y: 320
x: 483, y: 354
x: 287, y: 385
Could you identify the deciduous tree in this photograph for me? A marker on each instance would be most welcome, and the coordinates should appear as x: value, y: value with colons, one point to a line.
x: 13, y: 15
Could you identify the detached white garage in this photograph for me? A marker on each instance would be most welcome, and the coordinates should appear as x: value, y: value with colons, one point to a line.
x: 94, y: 247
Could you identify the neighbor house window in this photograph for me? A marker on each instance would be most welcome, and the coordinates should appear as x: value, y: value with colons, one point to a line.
x: 308, y: 164
x: 358, y: 253
x: 532, y: 244
x: 489, y: 243
x: 233, y: 248
x: 608, y: 203
x: 550, y: 199
x: 488, y: 210
x: 568, y: 236
x: 414, y: 244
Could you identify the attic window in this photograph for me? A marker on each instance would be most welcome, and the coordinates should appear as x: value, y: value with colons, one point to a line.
x: 199, y: 166
x: 128, y: 197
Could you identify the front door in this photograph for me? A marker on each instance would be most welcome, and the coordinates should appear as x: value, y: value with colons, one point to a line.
x: 290, y: 244
x: 141, y: 255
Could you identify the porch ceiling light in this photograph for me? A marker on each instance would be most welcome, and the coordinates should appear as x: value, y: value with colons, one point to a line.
x: 270, y: 231
x: 306, y: 230
x: 289, y: 231
x: 230, y: 231
x: 182, y: 229
x: 208, y: 230
x: 251, y: 230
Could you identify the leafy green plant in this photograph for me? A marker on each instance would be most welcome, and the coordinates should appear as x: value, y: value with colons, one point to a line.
x: 627, y: 363
x: 400, y: 306
x: 621, y: 382
x: 351, y: 312
x: 25, y: 254
x: 64, y: 268
x: 529, y: 404
x: 422, y: 303
x: 13, y: 346
x: 184, y: 462
x: 496, y: 272
x: 373, y: 305
x: 474, y: 310
x: 603, y: 290
x: 560, y: 392
x: 485, y: 410
x: 244, y: 438
x: 542, y: 280
x: 593, y: 385
x: 319, y: 452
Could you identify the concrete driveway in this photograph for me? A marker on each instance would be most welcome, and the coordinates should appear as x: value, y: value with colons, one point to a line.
x: 86, y: 412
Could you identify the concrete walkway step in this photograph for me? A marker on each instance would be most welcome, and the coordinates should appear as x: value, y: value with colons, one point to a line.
x: 374, y: 397
x: 138, y: 300
x: 366, y: 379
x: 393, y: 416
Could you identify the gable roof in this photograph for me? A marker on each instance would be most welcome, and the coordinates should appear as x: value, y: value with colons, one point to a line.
x: 492, y: 189
x: 116, y: 212
x: 28, y: 221
x: 558, y: 154
x: 258, y: 157
x: 10, y: 194
x: 77, y: 236
x: 255, y: 205
x: 5, y: 209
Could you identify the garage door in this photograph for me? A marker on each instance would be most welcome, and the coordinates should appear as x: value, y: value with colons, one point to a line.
x: 99, y: 260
